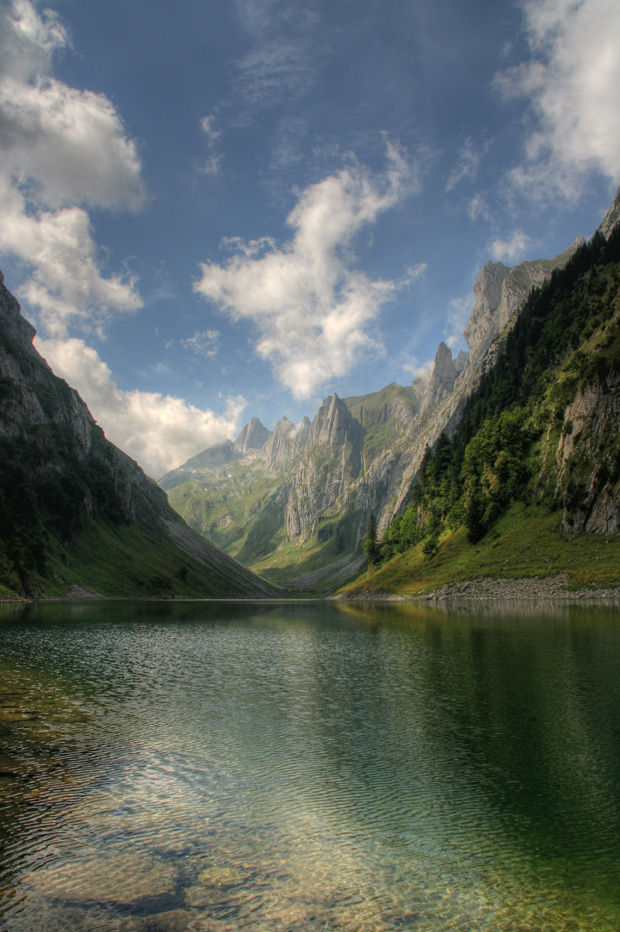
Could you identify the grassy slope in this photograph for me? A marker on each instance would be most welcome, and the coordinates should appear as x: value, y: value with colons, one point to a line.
x: 525, y: 542
x: 127, y: 561
x: 232, y: 507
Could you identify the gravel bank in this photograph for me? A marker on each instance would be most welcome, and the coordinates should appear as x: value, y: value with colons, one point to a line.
x: 485, y: 587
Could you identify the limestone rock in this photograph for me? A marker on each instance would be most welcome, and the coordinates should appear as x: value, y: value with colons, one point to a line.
x: 442, y: 378
x: 612, y: 217
x: 488, y: 292
x: 280, y: 445
x: 253, y: 437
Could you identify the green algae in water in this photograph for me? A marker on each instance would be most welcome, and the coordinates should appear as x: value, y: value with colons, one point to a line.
x: 195, y: 766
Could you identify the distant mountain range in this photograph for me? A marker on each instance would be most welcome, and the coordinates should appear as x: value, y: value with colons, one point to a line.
x: 293, y: 503
x: 78, y: 515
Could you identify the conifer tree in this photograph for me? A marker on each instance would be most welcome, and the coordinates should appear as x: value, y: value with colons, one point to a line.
x: 372, y: 548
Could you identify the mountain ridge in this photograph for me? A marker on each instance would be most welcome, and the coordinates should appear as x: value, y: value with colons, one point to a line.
x: 69, y: 499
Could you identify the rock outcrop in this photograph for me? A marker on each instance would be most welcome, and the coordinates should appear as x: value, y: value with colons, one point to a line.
x: 253, y: 437
x: 588, y: 474
x: 443, y: 376
x: 612, y: 217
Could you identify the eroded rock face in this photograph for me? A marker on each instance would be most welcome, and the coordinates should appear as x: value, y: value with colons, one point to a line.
x: 253, y: 437
x: 587, y: 480
x: 442, y: 378
x: 280, y: 446
x: 612, y: 217
x: 481, y: 328
x: 500, y: 292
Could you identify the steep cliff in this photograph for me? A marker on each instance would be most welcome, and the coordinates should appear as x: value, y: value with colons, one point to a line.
x: 75, y: 510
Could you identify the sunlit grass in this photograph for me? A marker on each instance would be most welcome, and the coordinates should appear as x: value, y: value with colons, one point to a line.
x: 526, y: 542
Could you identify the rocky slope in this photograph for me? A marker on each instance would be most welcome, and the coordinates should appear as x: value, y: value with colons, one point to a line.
x: 69, y: 499
x: 297, y: 506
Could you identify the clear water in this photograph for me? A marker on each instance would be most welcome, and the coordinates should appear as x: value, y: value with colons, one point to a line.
x: 204, y: 767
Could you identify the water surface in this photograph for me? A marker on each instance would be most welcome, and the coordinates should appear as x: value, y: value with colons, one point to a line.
x: 232, y: 766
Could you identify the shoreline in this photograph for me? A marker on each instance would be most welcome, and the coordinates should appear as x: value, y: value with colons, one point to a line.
x: 479, y: 589
x: 488, y: 588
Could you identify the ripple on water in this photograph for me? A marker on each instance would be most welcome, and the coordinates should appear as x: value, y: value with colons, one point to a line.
x: 268, y: 773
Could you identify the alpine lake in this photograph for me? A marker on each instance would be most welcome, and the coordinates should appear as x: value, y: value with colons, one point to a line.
x: 206, y: 766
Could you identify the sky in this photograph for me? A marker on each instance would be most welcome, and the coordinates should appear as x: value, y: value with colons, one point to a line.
x: 215, y: 210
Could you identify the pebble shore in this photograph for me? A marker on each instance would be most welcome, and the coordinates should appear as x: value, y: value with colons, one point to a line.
x: 488, y: 588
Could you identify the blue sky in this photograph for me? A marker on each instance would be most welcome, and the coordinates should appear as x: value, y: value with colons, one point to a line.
x: 219, y: 210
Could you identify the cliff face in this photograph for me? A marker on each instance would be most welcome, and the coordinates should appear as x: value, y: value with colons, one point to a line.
x: 500, y: 291
x: 588, y: 460
x: 61, y: 480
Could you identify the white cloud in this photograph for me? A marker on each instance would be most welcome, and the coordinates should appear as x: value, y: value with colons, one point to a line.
x: 467, y: 165
x: 512, y: 250
x: 572, y: 83
x: 159, y: 431
x: 478, y: 207
x: 202, y: 342
x: 311, y: 307
x: 211, y: 165
x: 284, y: 57
x: 61, y: 150
x: 417, y: 369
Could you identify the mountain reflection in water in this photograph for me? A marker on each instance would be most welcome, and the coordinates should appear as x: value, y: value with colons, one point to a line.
x: 294, y: 766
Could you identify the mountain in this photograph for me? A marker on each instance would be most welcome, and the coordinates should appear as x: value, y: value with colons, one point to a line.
x: 77, y: 512
x: 528, y: 482
x: 294, y: 503
x: 295, y: 507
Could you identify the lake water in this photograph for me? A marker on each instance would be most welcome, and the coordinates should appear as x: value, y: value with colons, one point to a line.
x: 213, y: 766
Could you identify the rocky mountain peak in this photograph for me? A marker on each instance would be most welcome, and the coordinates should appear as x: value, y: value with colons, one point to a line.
x: 442, y: 378
x: 12, y: 321
x: 612, y: 217
x: 461, y: 360
x: 253, y: 437
x: 280, y: 445
x: 488, y: 292
x: 334, y: 423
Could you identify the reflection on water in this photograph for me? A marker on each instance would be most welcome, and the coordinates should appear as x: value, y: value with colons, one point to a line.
x: 191, y: 766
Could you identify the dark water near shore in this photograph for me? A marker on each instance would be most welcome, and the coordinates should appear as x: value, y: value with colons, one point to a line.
x: 203, y: 767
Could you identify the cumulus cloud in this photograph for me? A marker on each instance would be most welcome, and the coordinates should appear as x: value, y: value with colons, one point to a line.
x: 159, y: 431
x: 571, y: 82
x: 311, y: 307
x: 61, y: 151
x: 511, y: 250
